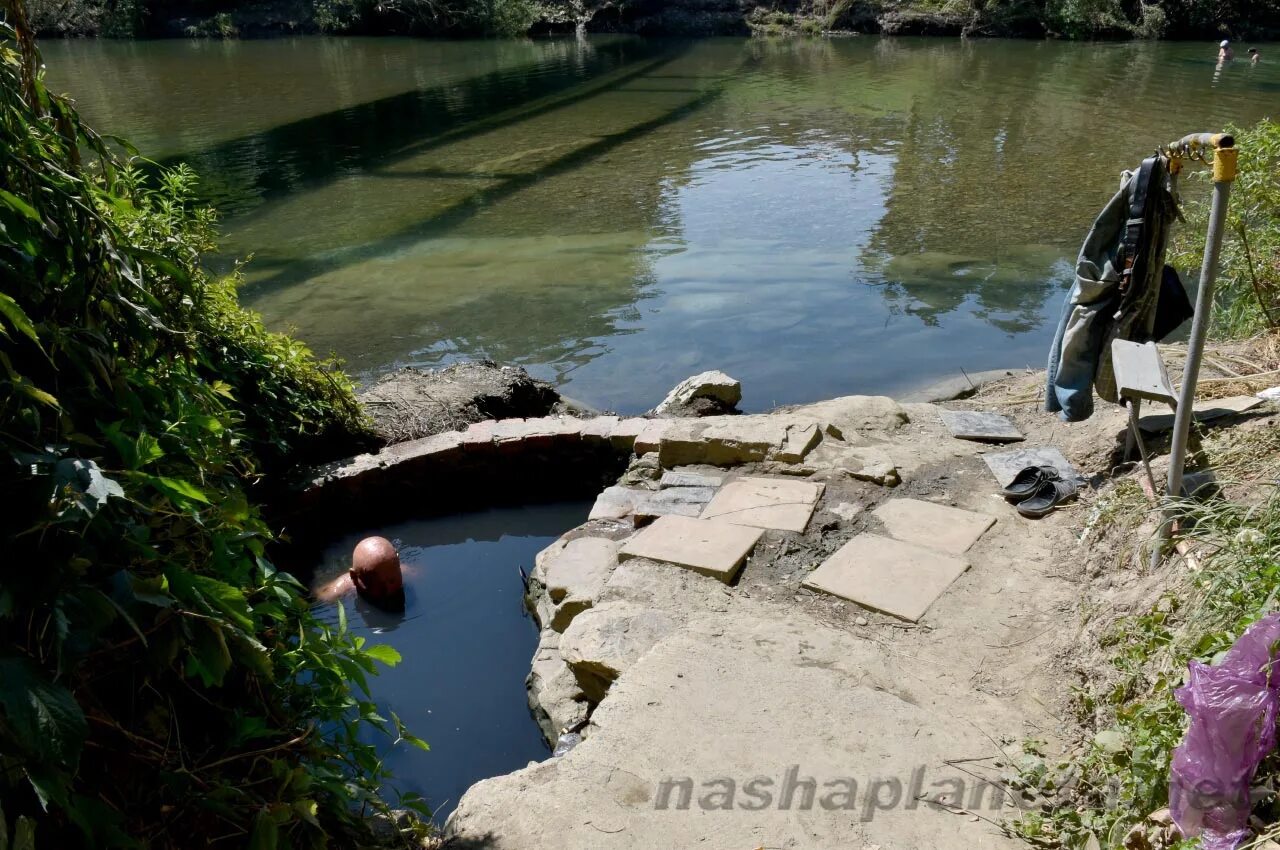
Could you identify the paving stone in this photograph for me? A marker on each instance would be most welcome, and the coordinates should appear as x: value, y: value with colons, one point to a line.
x: 706, y: 546
x: 981, y: 426
x: 674, y: 501
x: 1205, y: 411
x: 1005, y: 465
x: 765, y: 503
x: 891, y: 576
x: 689, y: 479
x: 939, y: 527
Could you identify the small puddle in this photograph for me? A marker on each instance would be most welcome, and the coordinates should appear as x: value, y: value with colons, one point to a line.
x: 466, y: 642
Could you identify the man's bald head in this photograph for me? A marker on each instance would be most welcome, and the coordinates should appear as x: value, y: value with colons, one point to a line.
x: 375, y: 570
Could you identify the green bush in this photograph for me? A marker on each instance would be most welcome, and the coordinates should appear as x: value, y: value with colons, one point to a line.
x: 1247, y: 299
x: 161, y: 683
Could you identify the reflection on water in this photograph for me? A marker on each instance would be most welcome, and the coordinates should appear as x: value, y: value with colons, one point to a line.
x: 465, y: 641
x: 815, y: 217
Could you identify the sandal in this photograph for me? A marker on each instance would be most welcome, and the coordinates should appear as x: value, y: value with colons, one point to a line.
x: 1051, y: 494
x: 1028, y: 481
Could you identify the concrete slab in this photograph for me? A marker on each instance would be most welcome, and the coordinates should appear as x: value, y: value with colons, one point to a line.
x: 980, y: 426
x: 710, y: 547
x: 936, y: 526
x: 765, y: 503
x: 897, y: 578
x: 1005, y: 465
x: 1205, y: 411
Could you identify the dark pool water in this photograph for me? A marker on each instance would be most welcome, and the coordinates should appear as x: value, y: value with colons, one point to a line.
x: 466, y: 642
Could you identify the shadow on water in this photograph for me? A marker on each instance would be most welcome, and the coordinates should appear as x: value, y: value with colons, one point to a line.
x: 284, y: 159
x: 469, y: 205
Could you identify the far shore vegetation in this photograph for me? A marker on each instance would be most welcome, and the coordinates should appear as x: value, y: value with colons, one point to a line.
x: 1072, y: 19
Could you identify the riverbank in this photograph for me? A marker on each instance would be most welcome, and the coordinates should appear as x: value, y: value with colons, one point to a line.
x: 1183, y: 19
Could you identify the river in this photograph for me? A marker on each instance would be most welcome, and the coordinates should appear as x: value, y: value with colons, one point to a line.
x: 815, y: 217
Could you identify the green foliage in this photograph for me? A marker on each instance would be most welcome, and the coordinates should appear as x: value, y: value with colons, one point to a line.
x: 1122, y: 773
x: 161, y: 683
x: 1247, y: 298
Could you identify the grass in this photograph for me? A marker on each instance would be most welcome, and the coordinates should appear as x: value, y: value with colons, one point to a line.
x: 1129, y: 721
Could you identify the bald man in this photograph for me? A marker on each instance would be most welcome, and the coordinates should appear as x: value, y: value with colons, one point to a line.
x: 375, y: 574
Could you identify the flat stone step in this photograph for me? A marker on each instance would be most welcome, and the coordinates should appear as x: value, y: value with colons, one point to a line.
x: 897, y: 578
x: 765, y: 503
x: 711, y: 547
x: 980, y: 426
x: 940, y: 527
x: 1005, y: 465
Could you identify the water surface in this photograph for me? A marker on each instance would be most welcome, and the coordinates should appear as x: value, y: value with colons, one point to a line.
x: 465, y: 641
x: 815, y: 217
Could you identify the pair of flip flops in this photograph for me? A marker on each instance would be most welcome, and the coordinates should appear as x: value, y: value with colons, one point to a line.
x: 1037, y: 490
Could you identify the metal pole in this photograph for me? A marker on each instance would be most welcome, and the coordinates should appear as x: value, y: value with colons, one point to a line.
x: 1224, y: 172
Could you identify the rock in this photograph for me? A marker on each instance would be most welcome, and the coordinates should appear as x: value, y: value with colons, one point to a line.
x: 846, y: 511
x: 706, y: 394
x: 745, y: 694
x: 689, y: 479
x: 615, y: 503
x: 722, y: 440
x: 603, y: 642
x: 857, y: 413
x: 864, y: 463
x: 800, y: 440
x: 580, y: 568
x: 652, y: 584
x: 650, y: 436
x: 643, y: 471
x: 573, y: 576
x: 556, y: 699
x: 411, y: 403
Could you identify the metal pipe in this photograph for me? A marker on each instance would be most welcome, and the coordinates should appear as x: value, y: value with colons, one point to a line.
x: 1223, y: 175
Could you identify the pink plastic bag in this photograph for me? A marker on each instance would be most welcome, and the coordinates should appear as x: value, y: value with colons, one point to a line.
x: 1233, y: 707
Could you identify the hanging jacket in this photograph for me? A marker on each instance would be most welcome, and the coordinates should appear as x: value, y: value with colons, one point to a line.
x: 1117, y: 290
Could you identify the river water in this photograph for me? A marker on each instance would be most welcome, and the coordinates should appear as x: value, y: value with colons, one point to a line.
x: 815, y: 217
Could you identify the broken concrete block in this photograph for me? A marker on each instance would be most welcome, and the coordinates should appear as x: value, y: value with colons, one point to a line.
x: 897, y: 578
x: 650, y: 437
x: 800, y: 440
